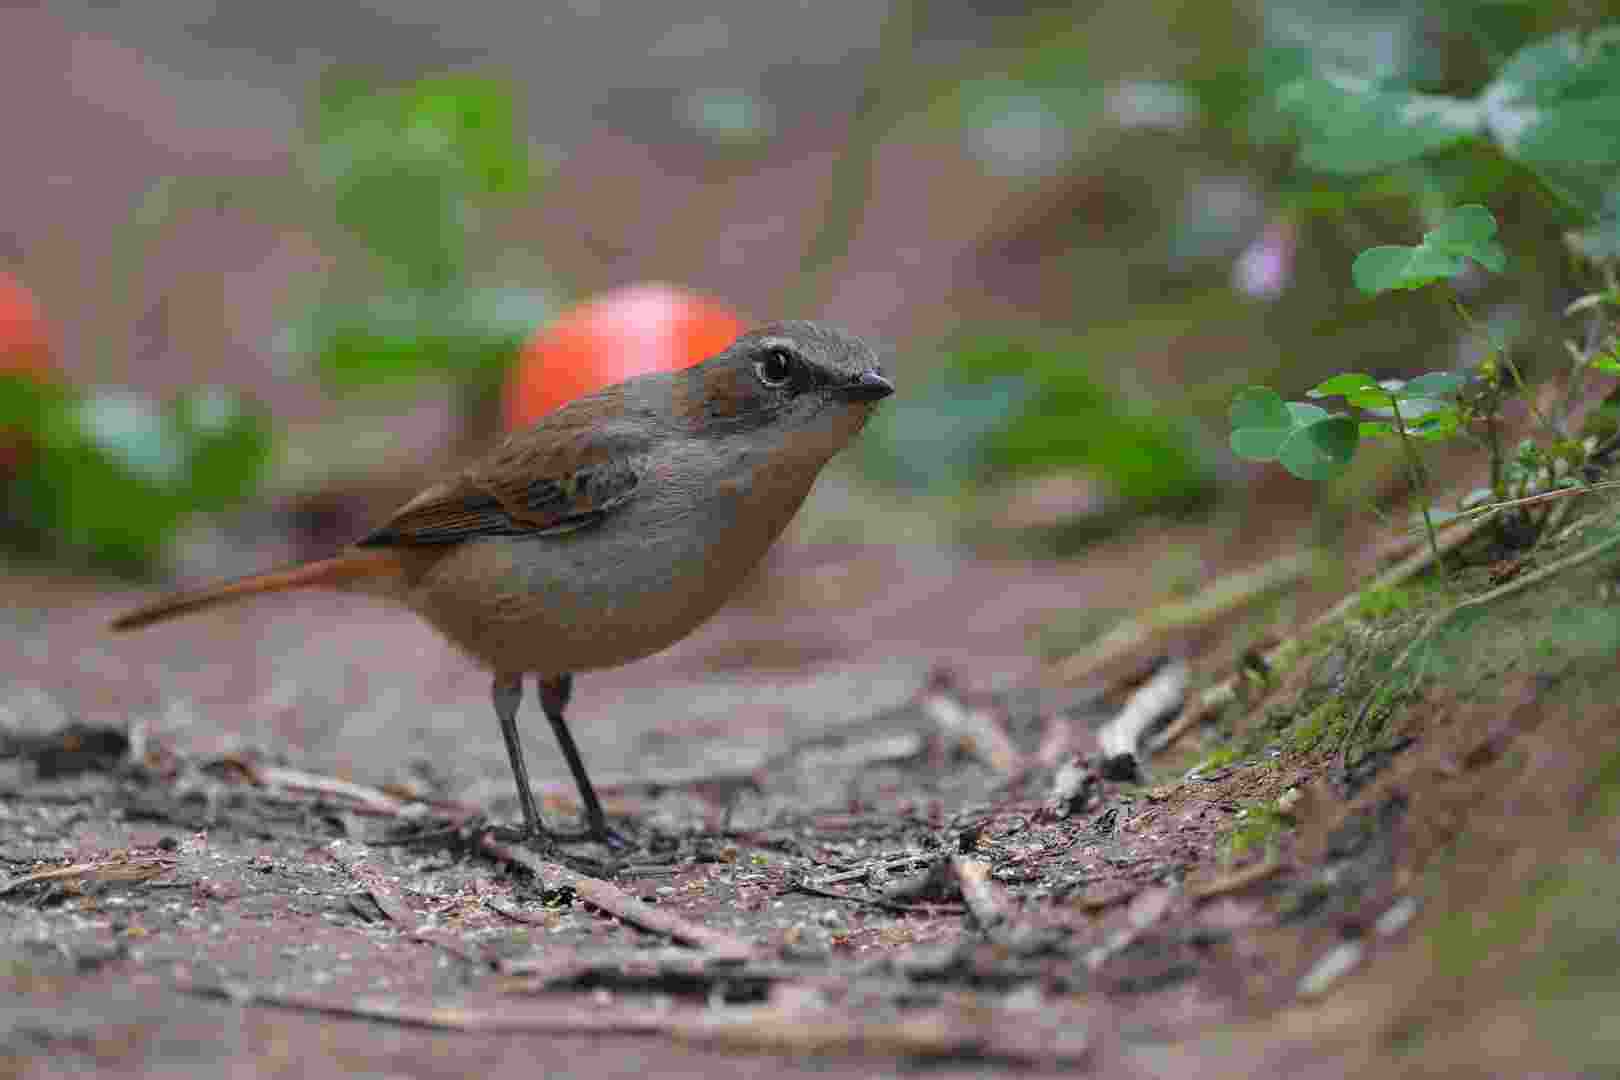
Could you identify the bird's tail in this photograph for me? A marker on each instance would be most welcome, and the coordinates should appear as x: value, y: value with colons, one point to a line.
x: 335, y: 573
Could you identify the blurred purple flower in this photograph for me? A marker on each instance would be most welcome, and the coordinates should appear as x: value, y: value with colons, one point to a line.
x: 1266, y: 266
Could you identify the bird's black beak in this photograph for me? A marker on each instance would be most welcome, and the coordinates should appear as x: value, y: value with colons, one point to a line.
x: 867, y: 386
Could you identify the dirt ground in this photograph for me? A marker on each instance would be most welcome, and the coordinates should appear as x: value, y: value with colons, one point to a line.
x: 864, y: 834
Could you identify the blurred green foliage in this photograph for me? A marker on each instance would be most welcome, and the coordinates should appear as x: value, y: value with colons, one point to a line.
x: 1015, y: 404
x: 1469, y: 232
x: 1553, y: 108
x: 392, y: 184
x: 1314, y: 444
x: 103, y: 478
x: 1308, y: 130
x: 409, y: 173
x: 1161, y: 146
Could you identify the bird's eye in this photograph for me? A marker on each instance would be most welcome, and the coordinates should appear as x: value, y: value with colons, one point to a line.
x: 775, y: 369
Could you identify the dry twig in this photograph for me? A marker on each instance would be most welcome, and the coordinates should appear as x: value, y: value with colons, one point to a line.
x: 1238, y: 880
x: 975, y: 729
x: 116, y: 868
x: 795, y: 1025
x: 1073, y: 788
x: 615, y: 901
x: 1160, y: 697
x: 986, y: 901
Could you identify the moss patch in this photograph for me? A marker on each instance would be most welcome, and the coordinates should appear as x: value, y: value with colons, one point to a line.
x: 1260, y: 825
x: 1328, y: 721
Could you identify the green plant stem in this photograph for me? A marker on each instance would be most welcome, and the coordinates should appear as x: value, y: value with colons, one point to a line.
x: 1493, y: 442
x: 1419, y: 483
x: 1507, y: 361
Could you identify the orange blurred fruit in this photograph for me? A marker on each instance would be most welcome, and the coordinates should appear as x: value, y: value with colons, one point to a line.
x: 25, y: 350
x: 617, y: 335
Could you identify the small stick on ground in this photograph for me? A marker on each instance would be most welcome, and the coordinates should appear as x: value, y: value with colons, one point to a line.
x: 1157, y: 699
x: 615, y: 901
x: 975, y: 729
x: 1238, y: 880
x: 789, y: 1028
x: 1073, y: 788
x: 364, y: 799
x: 524, y: 1016
x: 986, y: 901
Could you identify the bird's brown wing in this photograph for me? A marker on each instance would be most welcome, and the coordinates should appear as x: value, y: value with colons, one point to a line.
x: 525, y: 488
x: 512, y: 502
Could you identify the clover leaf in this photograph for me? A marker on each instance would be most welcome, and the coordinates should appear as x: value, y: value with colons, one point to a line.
x: 1468, y: 232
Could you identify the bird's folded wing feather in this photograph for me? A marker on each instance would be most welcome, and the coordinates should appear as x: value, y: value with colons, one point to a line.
x: 518, y: 492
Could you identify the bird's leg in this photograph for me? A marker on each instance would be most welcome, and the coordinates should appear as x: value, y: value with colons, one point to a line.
x: 508, y: 695
x: 555, y: 691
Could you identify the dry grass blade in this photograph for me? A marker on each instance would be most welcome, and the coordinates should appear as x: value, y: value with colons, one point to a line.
x: 1222, y: 597
x: 1219, y: 696
x: 1519, y: 584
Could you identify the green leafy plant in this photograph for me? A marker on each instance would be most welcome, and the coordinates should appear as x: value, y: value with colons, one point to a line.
x: 1315, y: 444
x: 1305, y: 439
x: 397, y: 184
x: 408, y: 172
x: 1469, y: 232
x: 1551, y: 109
x: 393, y: 182
x: 1023, y: 405
x: 112, y: 475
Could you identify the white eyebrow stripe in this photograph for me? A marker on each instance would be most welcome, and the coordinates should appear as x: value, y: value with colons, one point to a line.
x: 777, y: 343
